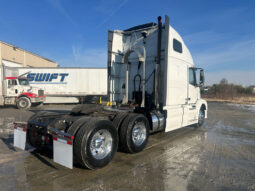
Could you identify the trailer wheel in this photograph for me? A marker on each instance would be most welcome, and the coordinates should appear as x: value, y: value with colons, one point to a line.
x: 201, y: 118
x: 23, y: 103
x: 134, y: 133
x: 95, y: 144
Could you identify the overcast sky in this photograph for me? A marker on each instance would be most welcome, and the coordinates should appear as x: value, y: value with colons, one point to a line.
x: 220, y: 33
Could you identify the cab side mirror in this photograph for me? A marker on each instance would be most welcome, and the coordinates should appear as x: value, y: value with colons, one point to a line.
x: 202, y: 78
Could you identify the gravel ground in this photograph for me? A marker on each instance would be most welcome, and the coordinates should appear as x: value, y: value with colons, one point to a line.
x: 218, y: 156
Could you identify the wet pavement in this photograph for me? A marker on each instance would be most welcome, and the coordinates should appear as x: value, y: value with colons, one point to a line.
x: 218, y: 156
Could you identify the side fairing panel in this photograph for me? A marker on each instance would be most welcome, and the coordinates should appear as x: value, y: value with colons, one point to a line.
x: 177, y: 71
x: 174, y: 118
x: 176, y: 81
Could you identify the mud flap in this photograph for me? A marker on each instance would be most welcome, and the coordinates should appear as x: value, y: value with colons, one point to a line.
x: 20, y: 135
x: 62, y: 148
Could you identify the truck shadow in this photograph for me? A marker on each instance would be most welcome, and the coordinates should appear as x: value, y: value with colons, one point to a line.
x: 46, y: 153
x: 8, y: 107
x: 8, y: 141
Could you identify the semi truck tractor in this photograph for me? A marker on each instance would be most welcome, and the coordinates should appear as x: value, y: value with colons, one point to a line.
x: 16, y: 90
x: 153, y: 86
x: 68, y: 84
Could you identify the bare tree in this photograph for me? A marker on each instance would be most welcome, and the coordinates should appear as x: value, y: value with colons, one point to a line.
x: 224, y: 81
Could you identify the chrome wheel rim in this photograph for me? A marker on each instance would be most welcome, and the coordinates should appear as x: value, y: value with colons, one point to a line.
x: 139, y: 133
x: 201, y: 116
x: 101, y: 144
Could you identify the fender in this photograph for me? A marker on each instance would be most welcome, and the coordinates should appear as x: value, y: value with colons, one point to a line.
x: 199, y: 104
x: 27, y: 94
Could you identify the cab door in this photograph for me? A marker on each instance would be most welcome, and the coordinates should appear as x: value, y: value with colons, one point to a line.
x: 192, y: 87
x: 192, y: 96
x: 12, y: 87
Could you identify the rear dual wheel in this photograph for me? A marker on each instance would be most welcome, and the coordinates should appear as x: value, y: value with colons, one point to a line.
x: 95, y: 143
x: 134, y: 133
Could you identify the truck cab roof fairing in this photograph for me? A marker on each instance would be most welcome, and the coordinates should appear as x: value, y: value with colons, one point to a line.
x: 185, y: 55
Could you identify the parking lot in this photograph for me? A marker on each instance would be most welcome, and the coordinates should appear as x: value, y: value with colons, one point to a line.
x: 218, y: 156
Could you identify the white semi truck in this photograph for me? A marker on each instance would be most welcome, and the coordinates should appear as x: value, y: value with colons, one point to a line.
x: 16, y: 90
x: 67, y: 84
x: 152, y: 86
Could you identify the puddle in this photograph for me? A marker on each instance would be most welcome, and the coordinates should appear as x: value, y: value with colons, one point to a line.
x: 218, y: 156
x: 248, y: 107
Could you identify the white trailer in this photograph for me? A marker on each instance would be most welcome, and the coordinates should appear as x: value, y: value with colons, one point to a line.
x: 16, y: 90
x: 67, y: 85
x: 152, y: 86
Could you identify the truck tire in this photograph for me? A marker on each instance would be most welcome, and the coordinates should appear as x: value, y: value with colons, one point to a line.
x: 118, y: 120
x: 35, y: 139
x: 134, y: 133
x: 73, y: 129
x: 201, y: 118
x: 95, y: 143
x: 23, y: 103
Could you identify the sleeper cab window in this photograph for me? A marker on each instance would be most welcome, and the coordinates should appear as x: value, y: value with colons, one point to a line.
x: 177, y: 45
x: 192, y: 78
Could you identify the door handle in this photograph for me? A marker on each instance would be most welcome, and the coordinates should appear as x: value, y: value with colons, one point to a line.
x: 188, y: 99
